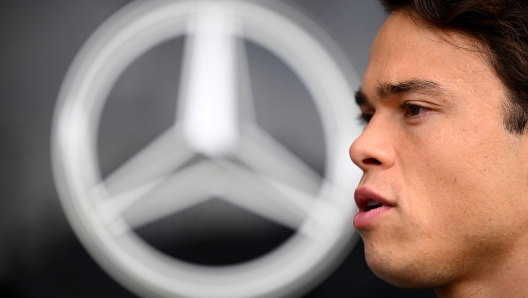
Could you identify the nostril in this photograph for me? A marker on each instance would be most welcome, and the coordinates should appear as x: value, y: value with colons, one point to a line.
x: 371, y: 161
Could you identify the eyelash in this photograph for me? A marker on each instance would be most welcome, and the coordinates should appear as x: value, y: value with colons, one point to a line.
x: 364, y: 118
x: 410, y: 110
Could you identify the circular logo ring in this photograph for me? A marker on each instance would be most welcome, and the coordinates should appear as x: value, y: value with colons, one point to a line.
x: 97, y: 215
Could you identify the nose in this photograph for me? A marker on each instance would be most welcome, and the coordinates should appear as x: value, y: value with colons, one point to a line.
x: 373, y: 148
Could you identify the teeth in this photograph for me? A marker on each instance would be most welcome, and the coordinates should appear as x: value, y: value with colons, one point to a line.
x: 373, y: 204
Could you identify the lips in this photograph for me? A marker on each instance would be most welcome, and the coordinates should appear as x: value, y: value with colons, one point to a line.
x: 370, y: 205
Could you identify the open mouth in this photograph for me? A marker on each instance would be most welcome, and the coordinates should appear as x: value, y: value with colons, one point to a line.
x: 367, y: 200
x: 371, y: 204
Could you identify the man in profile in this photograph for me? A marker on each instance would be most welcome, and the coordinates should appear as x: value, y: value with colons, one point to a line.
x: 443, y: 201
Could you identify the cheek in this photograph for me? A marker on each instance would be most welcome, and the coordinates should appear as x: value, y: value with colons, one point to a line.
x: 459, y: 187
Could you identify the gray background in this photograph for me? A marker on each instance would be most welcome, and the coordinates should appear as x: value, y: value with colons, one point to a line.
x: 39, y: 254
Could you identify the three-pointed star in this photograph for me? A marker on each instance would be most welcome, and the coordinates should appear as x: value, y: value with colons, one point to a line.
x: 244, y: 164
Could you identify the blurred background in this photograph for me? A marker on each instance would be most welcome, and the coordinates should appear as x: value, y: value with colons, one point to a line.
x: 39, y: 254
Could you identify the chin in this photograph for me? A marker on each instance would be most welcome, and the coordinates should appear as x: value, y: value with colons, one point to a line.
x: 406, y: 271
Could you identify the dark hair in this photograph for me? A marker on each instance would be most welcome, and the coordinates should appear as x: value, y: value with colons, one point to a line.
x: 501, y: 26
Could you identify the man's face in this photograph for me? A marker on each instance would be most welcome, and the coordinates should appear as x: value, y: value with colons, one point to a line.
x: 435, y: 152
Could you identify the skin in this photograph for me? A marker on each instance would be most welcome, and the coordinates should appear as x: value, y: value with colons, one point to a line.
x: 440, y: 154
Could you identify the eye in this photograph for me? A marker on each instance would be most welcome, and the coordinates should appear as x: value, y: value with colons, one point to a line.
x: 364, y: 118
x: 413, y: 110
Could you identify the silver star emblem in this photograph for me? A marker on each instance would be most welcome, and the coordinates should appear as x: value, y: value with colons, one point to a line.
x: 239, y: 161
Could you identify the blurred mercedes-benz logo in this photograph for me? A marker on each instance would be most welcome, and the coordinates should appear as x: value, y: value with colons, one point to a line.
x: 239, y: 161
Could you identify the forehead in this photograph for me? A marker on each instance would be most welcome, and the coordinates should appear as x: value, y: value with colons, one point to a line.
x: 406, y: 49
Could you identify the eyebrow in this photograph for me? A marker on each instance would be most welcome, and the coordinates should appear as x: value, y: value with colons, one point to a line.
x: 385, y: 90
